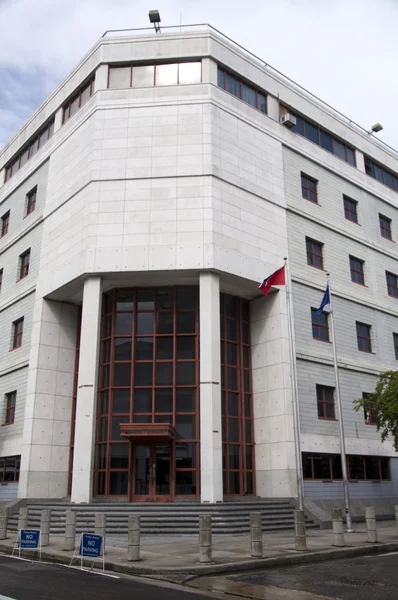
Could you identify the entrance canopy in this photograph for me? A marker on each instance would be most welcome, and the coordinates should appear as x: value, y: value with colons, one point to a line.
x: 137, y: 432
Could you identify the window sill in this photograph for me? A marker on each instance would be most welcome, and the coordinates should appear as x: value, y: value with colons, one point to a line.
x: 16, y: 348
x: 7, y: 424
x: 361, y: 284
x: 367, y: 351
x: 311, y: 201
x: 20, y: 279
x: 354, y: 222
x: 318, y: 268
x: 28, y: 214
x: 371, y: 424
x: 327, y: 419
x: 321, y: 340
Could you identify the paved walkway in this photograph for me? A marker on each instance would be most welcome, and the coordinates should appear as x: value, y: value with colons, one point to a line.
x: 179, y: 554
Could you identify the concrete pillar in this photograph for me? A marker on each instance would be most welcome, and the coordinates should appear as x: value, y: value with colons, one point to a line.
x: 101, y: 78
x: 209, y: 71
x: 133, y: 544
x: 3, y: 523
x: 256, y: 535
x: 100, y: 527
x: 210, y: 390
x: 360, y: 160
x: 205, y: 551
x: 371, y: 524
x: 86, y: 406
x: 23, y: 518
x: 70, y: 530
x: 273, y: 107
x: 59, y: 115
x: 45, y: 522
x: 338, y: 527
x: 300, y: 533
x: 396, y: 517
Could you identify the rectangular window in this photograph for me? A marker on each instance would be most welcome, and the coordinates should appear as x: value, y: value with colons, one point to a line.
x: 238, y: 88
x: 325, y: 401
x: 17, y: 331
x: 1, y: 279
x: 369, y: 413
x: 11, y: 400
x: 363, y: 337
x: 78, y: 99
x: 392, y: 284
x: 350, y: 209
x: 5, y: 222
x: 31, y: 201
x: 36, y: 142
x: 320, y: 326
x: 309, y: 188
x: 24, y: 261
x: 382, y: 174
x: 357, y: 272
x: 314, y: 253
x: 328, y: 466
x: 126, y: 76
x: 9, y: 469
x: 395, y: 338
x: 385, y: 227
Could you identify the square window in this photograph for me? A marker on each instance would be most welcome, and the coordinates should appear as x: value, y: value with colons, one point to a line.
x: 5, y: 222
x: 392, y: 284
x: 314, y: 253
x: 11, y: 400
x: 24, y: 260
x: 320, y: 326
x: 357, y: 272
x: 363, y: 337
x: 309, y: 188
x: 325, y: 401
x: 350, y: 209
x: 385, y: 227
x: 31, y: 201
x: 17, y: 331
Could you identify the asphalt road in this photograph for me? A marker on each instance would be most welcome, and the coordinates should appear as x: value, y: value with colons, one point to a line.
x: 365, y: 578
x: 23, y: 580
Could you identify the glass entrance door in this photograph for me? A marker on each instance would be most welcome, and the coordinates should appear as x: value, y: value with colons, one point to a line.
x: 151, y: 473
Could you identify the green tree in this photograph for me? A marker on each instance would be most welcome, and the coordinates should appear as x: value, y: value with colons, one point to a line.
x: 384, y: 406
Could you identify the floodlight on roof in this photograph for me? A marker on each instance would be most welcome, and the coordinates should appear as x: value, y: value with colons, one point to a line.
x: 376, y: 128
x: 154, y: 17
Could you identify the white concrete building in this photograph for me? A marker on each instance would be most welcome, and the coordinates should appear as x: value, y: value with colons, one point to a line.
x: 141, y: 206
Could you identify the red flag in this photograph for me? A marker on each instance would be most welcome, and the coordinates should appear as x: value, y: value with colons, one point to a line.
x: 277, y: 278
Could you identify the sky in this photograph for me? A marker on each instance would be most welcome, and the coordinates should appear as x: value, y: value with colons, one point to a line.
x: 343, y: 51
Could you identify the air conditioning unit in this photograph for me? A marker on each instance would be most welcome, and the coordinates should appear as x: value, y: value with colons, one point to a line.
x: 288, y: 120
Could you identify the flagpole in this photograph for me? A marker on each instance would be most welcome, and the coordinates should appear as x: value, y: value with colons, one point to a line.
x: 293, y: 375
x: 340, y: 417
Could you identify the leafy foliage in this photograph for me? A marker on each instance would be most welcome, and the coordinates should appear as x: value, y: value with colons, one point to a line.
x: 384, y: 406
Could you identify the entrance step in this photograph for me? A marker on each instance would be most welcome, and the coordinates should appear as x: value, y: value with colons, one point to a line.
x: 165, y: 518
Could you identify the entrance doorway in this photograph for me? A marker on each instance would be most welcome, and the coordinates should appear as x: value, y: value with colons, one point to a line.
x: 151, y: 477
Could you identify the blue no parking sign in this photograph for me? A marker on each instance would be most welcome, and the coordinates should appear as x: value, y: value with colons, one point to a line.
x: 29, y: 539
x: 90, y: 545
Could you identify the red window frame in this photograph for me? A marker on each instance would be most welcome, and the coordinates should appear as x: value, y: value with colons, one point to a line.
x: 395, y: 338
x: 5, y: 223
x: 364, y: 339
x: 222, y: 79
x: 11, y: 400
x: 78, y: 95
x: 9, y: 469
x: 357, y: 270
x: 314, y: 253
x: 385, y: 227
x: 350, y: 209
x: 31, y: 201
x: 17, y: 333
x: 325, y: 401
x: 24, y: 262
x: 34, y: 145
x: 309, y: 188
x: 351, y: 459
x: 320, y: 324
x: 392, y: 284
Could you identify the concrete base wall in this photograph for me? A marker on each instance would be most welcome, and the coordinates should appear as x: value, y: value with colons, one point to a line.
x: 320, y: 511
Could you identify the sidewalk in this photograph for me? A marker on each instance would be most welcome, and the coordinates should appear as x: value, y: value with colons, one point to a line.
x: 176, y: 558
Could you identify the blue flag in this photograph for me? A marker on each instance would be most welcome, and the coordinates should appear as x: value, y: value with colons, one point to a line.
x: 325, y: 301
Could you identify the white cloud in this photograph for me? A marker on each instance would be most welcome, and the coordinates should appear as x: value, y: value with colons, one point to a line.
x: 344, y: 51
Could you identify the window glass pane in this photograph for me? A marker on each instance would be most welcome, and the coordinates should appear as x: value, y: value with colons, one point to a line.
x: 185, y: 455
x: 142, y: 418
x: 248, y: 431
x: 164, y: 322
x: 372, y: 467
x: 85, y: 94
x: 143, y: 374
x: 247, y: 406
x: 307, y: 466
x: 105, y: 376
x: 103, y: 429
x: 385, y: 468
x: 33, y: 148
x: 186, y: 321
x: 185, y: 373
x: 165, y: 299
x: 350, y: 156
x: 249, y: 483
x: 185, y: 427
x: 233, y: 430
x: 248, y: 95
x: 185, y: 400
x: 116, y: 421
x: 187, y: 297
x: 119, y: 77
x: 185, y: 347
x: 24, y: 157
x: 233, y: 456
x: 164, y: 373
x: 230, y: 306
x: 166, y: 74
x: 142, y: 401
x: 104, y: 400
x: 124, y: 301
x: 220, y: 78
x: 356, y: 470
x: 230, y: 330
x: 120, y: 456
x: 299, y: 127
x: 262, y: 103
x: 232, y: 404
x: 101, y: 456
x: 249, y: 457
x: 121, y: 401
x: 164, y: 401
x: 106, y: 351
x: 336, y: 467
x: 164, y: 348
x: 388, y: 179
x: 311, y: 132
x: 122, y: 374
x: 231, y: 353
x: 118, y: 483
x: 377, y: 172
x: 339, y: 149
x: 326, y: 141
x: 123, y: 324
x: 122, y: 348
x: 245, y: 352
x: 234, y: 482
x: 74, y: 105
x: 144, y: 348
x: 101, y: 483
x: 322, y: 466
x: 190, y: 72
x: 144, y: 323
x: 163, y: 419
x: 232, y: 378
x: 233, y: 85
x: 146, y: 299
x: 186, y: 483
x: 143, y: 76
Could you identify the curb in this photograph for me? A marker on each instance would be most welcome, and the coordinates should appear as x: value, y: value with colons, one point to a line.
x: 185, y: 574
